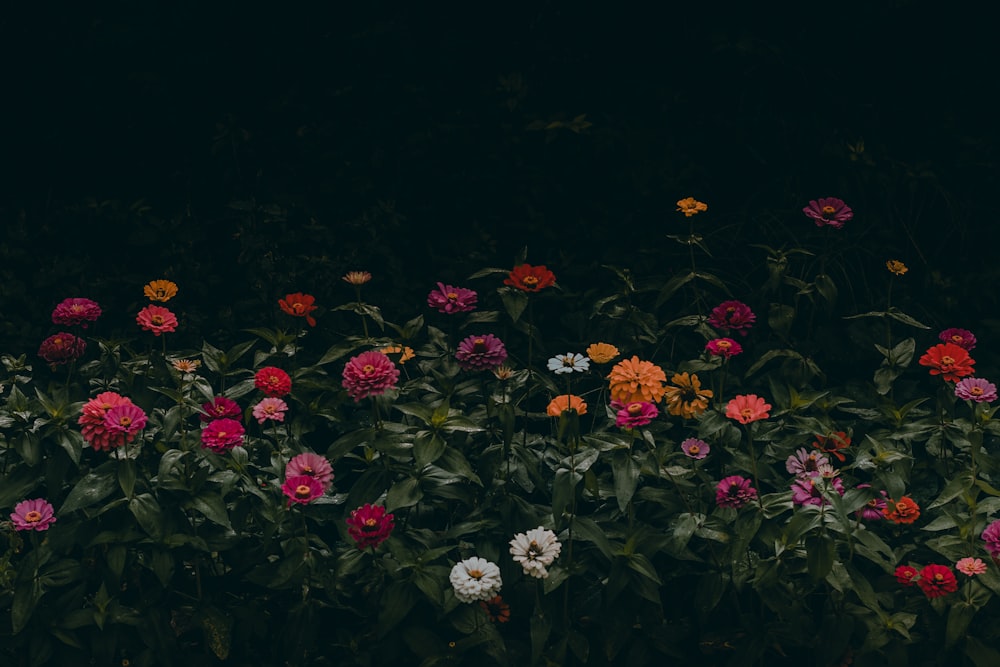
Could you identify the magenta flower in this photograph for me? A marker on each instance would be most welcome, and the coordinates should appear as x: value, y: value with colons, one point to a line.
x: 735, y: 492
x: 127, y: 418
x: 634, y: 415
x: 302, y: 489
x: 732, y: 316
x: 803, y: 463
x: 971, y: 567
x: 312, y: 465
x: 808, y: 490
x: 873, y: 509
x: 76, y: 311
x: 696, y: 449
x: 964, y: 338
x: 221, y: 407
x: 37, y: 514
x: 976, y: 389
x: 723, y: 347
x: 222, y: 435
x: 62, y: 348
x: 270, y: 408
x: 448, y: 299
x: 992, y: 538
x: 369, y: 374
x: 481, y: 353
x: 829, y: 211
x: 369, y: 525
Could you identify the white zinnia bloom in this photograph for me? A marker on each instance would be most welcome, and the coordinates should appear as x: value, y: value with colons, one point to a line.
x: 569, y: 362
x: 535, y: 550
x: 475, y: 579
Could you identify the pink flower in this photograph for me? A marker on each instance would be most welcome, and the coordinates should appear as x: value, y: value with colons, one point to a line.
x: 369, y: 525
x: 808, y: 490
x: 735, y: 492
x: 312, y: 465
x: 961, y: 337
x: 221, y: 407
x: 992, y: 538
x: 37, y: 514
x: 481, y: 353
x: 76, y: 311
x: 273, y: 381
x: 92, y: 424
x: 829, y: 211
x: 634, y: 415
x: 127, y: 418
x: 976, y: 389
x: 696, y: 449
x: 450, y: 300
x: 156, y: 319
x: 873, y: 510
x: 369, y: 374
x: 62, y: 348
x: 222, y: 435
x: 748, y: 408
x: 804, y: 463
x: 302, y: 489
x: 723, y: 347
x: 971, y: 566
x: 270, y: 408
x: 732, y: 316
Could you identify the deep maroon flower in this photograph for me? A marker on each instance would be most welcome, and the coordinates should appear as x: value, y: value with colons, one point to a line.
x: 723, y: 347
x: 808, y: 490
x: 992, y: 538
x: 76, y: 311
x: 369, y: 374
x: 273, y: 381
x: 735, y: 492
x: 976, y: 389
x: 222, y: 435
x: 450, y: 300
x: 961, y: 337
x: 481, y: 353
x: 635, y: 414
x: 312, y: 465
x: 62, y: 348
x: 37, y: 514
x: 829, y: 211
x: 127, y: 418
x: 221, y: 407
x: 937, y: 581
x: 302, y: 489
x: 906, y: 575
x: 696, y: 449
x: 369, y: 525
x: 732, y: 316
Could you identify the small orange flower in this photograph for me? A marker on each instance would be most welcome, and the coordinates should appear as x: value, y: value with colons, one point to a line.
x: 686, y: 399
x: 690, y: 206
x: 602, y: 353
x: 299, y: 305
x: 160, y: 290
x: 747, y: 408
x: 949, y: 361
x: 530, y: 278
x: 185, y: 365
x: 896, y: 267
x: 357, y: 278
x: 561, y: 404
x: 635, y: 381
x: 405, y: 353
x: 833, y: 444
x: 904, y: 510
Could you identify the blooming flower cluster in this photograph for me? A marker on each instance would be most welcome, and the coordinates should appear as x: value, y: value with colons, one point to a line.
x: 37, y: 514
x: 696, y: 449
x: 633, y: 380
x: 634, y: 415
x: 104, y: 432
x: 748, y: 408
x: 370, y: 526
x: 156, y: 319
x: 734, y: 491
x: 690, y: 206
x: 273, y: 381
x: 270, y: 409
x: 828, y: 211
x: 566, y: 403
x: 160, y: 290
x: 221, y: 435
x: 528, y: 278
x: 976, y: 390
x: 903, y: 511
x: 992, y: 538
x: 311, y: 465
x: 601, y: 353
x: 475, y: 579
x: 76, y: 311
x: 948, y: 360
x: 221, y: 407
x: 723, y: 347
x: 964, y: 338
x: 934, y: 580
x: 684, y: 397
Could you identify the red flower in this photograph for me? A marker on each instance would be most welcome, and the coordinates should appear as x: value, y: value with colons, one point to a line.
x: 496, y: 609
x: 273, y: 381
x: 299, y: 305
x: 833, y: 444
x: 906, y: 575
x: 530, y: 278
x: 949, y: 361
x: 369, y: 525
x: 904, y: 510
x: 156, y: 319
x: 937, y: 581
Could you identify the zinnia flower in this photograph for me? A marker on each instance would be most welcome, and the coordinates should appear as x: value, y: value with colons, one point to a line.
x: 874, y: 508
x: 937, y: 581
x: 690, y: 206
x: 535, y: 551
x: 632, y: 380
x: 747, y: 408
x: 829, y: 211
x: 971, y: 567
x: 948, y: 360
x: 602, y: 353
x: 735, y: 492
x: 74, y: 311
x: 357, y: 278
x: 370, y: 526
x: 160, y: 290
x: 273, y: 381
x: 634, y: 414
x: 833, y: 444
x: 530, y: 278
x: 696, y: 449
x: 906, y: 575
x: 732, y: 316
x: 475, y: 579
x: 404, y: 352
x: 992, y: 538
x: 270, y: 408
x: 896, y: 267
x: 976, y: 389
x: 298, y: 304
x: 904, y: 510
x: 222, y: 435
x: 804, y: 463
x: 185, y: 366
x: 221, y: 407
x: 369, y: 374
x: 569, y: 363
x: 62, y: 348
x: 723, y: 347
x: 126, y: 418
x: 302, y: 489
x: 686, y: 398
x: 92, y: 424
x: 561, y: 404
x: 481, y: 353
x: 156, y: 319
x: 312, y: 465
x: 806, y: 490
x: 450, y: 300
x: 964, y: 338
x: 496, y: 609
x: 37, y: 514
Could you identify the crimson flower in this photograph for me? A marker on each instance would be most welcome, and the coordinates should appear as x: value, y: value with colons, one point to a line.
x: 530, y: 278
x: 937, y: 581
x: 302, y: 489
x: 220, y: 407
x: 273, y: 381
x: 906, y: 575
x: 312, y: 465
x: 723, y: 347
x: 298, y: 304
x: 93, y: 426
x: 735, y: 492
x: 369, y: 525
x: 948, y: 360
x: 222, y: 435
x: 480, y: 353
x: 961, y: 337
x: 448, y: 299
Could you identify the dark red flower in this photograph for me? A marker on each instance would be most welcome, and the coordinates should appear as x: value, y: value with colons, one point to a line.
x: 937, y: 581
x: 369, y: 525
x: 906, y: 575
x: 298, y: 304
x: 530, y: 278
x: 273, y: 381
x: 833, y: 444
x: 62, y: 348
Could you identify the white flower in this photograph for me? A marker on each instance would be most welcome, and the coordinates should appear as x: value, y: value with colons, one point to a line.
x: 475, y: 579
x: 569, y: 362
x: 535, y: 550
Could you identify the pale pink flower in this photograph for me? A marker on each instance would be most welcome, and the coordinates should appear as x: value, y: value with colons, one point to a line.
x: 971, y: 566
x: 312, y: 465
x: 270, y: 408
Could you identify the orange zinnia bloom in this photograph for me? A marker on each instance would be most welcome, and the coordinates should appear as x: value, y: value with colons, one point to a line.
x: 833, y: 443
x: 690, y: 206
x: 160, y: 290
x: 561, y: 404
x: 530, y: 278
x: 949, y: 361
x: 747, y: 408
x: 904, y: 510
x: 602, y: 353
x: 357, y: 278
x: 635, y: 381
x: 687, y: 399
x: 405, y: 352
x: 299, y: 305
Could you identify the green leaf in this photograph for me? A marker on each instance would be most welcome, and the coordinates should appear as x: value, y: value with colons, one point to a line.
x: 826, y: 288
x: 212, y: 507
x: 427, y: 447
x: 820, y: 554
x: 337, y: 352
x: 27, y: 593
x: 18, y: 484
x: 900, y: 316
x: 672, y: 286
x: 626, y: 477
x: 586, y: 529
x: 126, y: 476
x: 541, y: 627
x: 514, y: 301
x: 980, y: 654
x: 404, y: 493
x: 424, y: 413
x: 455, y: 462
x: 959, y: 617
x: 961, y: 483
x: 92, y: 488
x: 147, y: 512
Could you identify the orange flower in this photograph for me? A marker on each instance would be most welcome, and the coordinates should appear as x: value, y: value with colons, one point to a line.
x: 833, y: 443
x: 160, y: 290
x: 949, y: 361
x: 357, y: 278
x: 561, y: 404
x: 185, y: 365
x: 530, y: 278
x: 691, y: 206
x: 634, y: 381
x: 602, y: 353
x: 747, y: 408
x: 904, y: 510
x: 687, y: 399
x: 404, y: 351
x: 299, y: 305
x: 896, y: 267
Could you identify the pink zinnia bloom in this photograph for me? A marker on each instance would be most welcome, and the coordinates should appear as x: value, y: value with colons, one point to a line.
x: 270, y: 408
x: 976, y: 389
x: 735, y: 492
x: 127, y: 418
x: 221, y: 407
x: 747, y: 408
x: 156, y: 319
x: 312, y: 465
x: 62, y: 348
x: 992, y: 538
x: 803, y: 463
x: 302, y: 489
x: 369, y: 374
x: 369, y: 525
x: 449, y: 299
x: 906, y: 575
x: 481, y: 353
x: 76, y: 311
x: 807, y: 490
x: 694, y: 448
x: 971, y: 566
x: 723, y: 347
x: 829, y: 211
x: 634, y: 415
x: 92, y: 424
x: 937, y: 581
x: 732, y: 316
x: 961, y: 337
x: 222, y: 435
x: 874, y: 509
x: 37, y: 514
x: 273, y: 381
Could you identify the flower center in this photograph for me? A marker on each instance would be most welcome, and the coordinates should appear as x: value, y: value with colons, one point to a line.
x: 76, y: 308
x: 58, y: 342
x: 531, y: 281
x: 125, y: 421
x: 956, y: 338
x: 694, y: 449
x: 479, y: 345
x: 298, y: 308
x: 947, y: 361
x: 634, y: 409
x: 33, y: 516
x: 451, y: 296
x: 222, y: 434
x: 724, y: 345
x: 568, y: 361
x: 156, y: 319
x: 534, y: 550
x: 476, y: 574
x: 829, y: 209
x: 302, y: 491
x: 746, y: 412
x: 368, y: 369
x: 976, y: 391
x: 939, y: 577
x: 306, y: 470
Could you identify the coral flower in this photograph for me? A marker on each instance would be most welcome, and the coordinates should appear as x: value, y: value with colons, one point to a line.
x: 357, y: 278
x: 273, y: 381
x: 696, y: 449
x: 937, y: 581
x: 37, y: 514
x: 896, y: 267
x: 126, y: 418
x: 602, y: 353
x: 690, y: 206
x: 833, y: 444
x: 496, y: 609
x: 404, y: 353
x: 723, y: 347
x: 561, y: 404
x: 298, y: 304
x: 530, y: 278
x: 156, y: 319
x: 747, y: 408
x: 964, y: 338
x: 906, y: 575
x: 991, y: 535
x: 948, y: 360
x: 829, y: 211
x: 369, y: 374
x: 450, y: 300
x: 635, y: 414
x: 686, y: 398
x: 270, y: 408
x: 302, y: 489
x: 312, y: 465
x: 732, y: 316
x: 92, y: 424
x: 481, y: 353
x: 220, y: 407
x: 735, y: 492
x: 74, y: 311
x: 632, y: 380
x: 62, y: 348
x: 904, y: 510
x: 971, y: 567
x: 160, y: 290
x: 222, y: 435
x: 369, y: 525
x: 977, y: 390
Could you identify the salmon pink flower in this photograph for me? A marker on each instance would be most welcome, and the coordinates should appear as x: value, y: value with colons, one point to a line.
x: 74, y: 311
x: 906, y: 575
x: 747, y: 408
x: 696, y: 449
x: 732, y: 316
x: 160, y: 290
x: 634, y: 415
x: 566, y: 402
x: 222, y: 435
x: 62, y: 348
x: 370, y: 526
x: 971, y: 567
x: 964, y: 338
x: 302, y: 489
x: 992, y: 538
x: 977, y: 390
x: 156, y: 319
x: 450, y: 300
x: 298, y: 304
x: 312, y: 465
x: 220, y: 407
x: 530, y: 278
x: 937, y: 581
x: 829, y: 211
x: 369, y: 374
x: 905, y: 510
x: 92, y: 424
x: 37, y: 514
x: 633, y: 380
x: 270, y: 408
x: 734, y: 491
x: 126, y: 418
x: 273, y: 381
x: 948, y: 360
x: 481, y: 353
x: 723, y: 347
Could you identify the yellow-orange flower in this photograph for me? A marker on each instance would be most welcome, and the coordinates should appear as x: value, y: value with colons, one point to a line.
x: 634, y: 381
x: 185, y: 365
x: 160, y: 290
x: 405, y: 353
x: 686, y: 398
x: 561, y: 404
x: 896, y: 267
x: 690, y: 206
x: 357, y: 278
x: 602, y: 353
